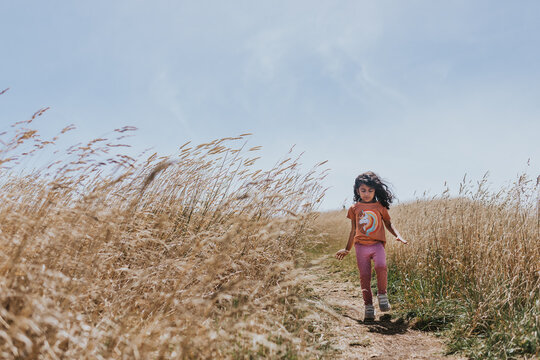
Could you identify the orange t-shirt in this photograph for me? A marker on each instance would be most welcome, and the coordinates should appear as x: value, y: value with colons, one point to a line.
x: 369, y: 219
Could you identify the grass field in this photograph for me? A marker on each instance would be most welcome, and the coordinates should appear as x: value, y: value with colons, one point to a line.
x: 196, y: 255
x: 187, y: 256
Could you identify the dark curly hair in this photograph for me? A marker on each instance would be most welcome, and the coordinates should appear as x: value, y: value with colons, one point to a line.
x: 382, y: 192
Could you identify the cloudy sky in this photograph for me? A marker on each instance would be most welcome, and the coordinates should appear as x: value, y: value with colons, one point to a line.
x: 421, y: 92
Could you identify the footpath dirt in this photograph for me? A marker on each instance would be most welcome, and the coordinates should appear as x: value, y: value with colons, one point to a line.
x: 352, y: 338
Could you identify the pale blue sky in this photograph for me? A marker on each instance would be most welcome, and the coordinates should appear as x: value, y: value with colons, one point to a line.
x: 421, y: 92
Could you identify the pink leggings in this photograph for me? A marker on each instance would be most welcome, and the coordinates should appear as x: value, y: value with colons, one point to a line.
x: 364, y: 254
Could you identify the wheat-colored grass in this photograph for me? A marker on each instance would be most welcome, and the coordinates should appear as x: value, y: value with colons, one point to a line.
x: 476, y: 260
x: 187, y: 256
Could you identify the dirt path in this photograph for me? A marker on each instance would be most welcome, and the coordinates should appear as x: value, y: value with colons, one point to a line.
x: 384, y: 338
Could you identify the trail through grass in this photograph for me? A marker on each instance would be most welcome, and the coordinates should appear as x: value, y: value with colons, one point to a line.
x: 471, y: 271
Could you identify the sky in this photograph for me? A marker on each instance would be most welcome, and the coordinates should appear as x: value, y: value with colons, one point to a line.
x: 421, y: 92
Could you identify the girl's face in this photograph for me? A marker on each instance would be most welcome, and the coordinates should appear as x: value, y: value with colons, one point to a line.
x: 366, y: 193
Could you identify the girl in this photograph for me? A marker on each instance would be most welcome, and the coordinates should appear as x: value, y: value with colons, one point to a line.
x: 372, y: 199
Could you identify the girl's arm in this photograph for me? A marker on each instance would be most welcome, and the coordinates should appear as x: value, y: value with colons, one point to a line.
x: 394, y: 232
x: 343, y: 252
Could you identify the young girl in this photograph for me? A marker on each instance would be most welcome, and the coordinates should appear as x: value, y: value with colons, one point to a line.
x: 372, y: 199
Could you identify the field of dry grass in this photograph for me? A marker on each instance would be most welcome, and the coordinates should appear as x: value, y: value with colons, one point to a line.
x: 187, y: 256
x: 196, y: 255
x: 475, y: 267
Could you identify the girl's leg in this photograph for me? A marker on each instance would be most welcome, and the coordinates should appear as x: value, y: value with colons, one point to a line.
x: 363, y: 260
x: 379, y: 259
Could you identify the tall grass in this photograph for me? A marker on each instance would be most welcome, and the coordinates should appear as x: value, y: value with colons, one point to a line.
x: 186, y: 256
x: 474, y: 267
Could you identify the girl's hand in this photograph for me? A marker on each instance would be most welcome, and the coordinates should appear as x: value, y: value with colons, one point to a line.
x: 402, y: 240
x: 341, y: 254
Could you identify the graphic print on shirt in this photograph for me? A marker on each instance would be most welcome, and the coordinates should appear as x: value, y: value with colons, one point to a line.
x: 369, y: 221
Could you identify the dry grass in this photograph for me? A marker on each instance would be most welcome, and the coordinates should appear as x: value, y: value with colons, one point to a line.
x: 194, y: 255
x: 188, y: 256
x: 474, y: 262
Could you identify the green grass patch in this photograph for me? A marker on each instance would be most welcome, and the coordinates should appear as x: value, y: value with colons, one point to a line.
x: 471, y: 328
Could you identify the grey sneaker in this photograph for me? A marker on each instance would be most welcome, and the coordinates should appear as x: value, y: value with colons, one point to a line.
x: 370, y: 313
x: 384, y: 305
